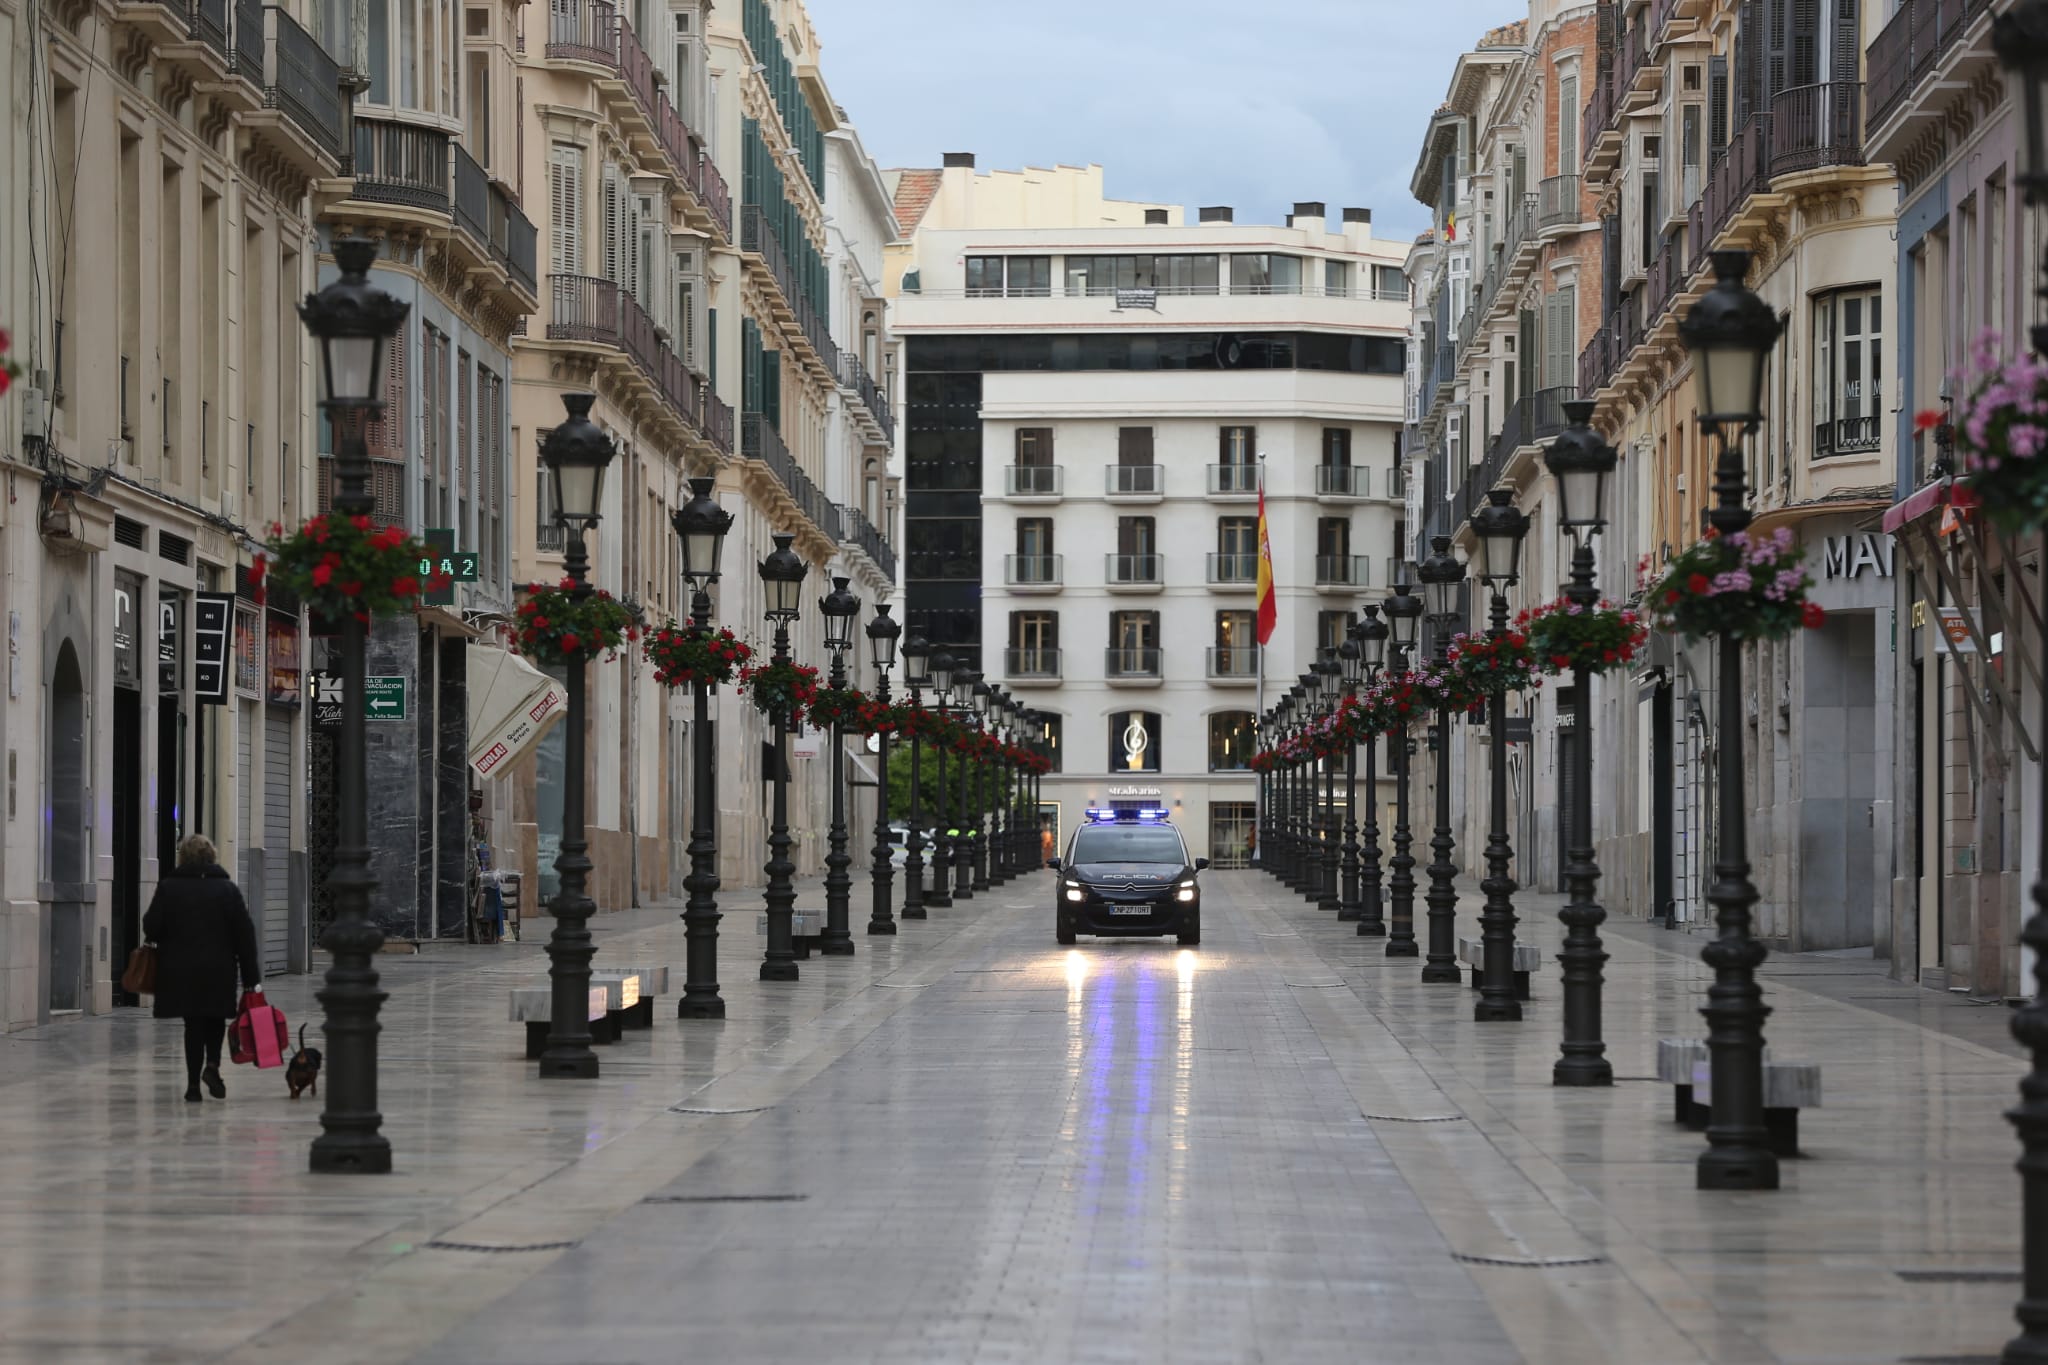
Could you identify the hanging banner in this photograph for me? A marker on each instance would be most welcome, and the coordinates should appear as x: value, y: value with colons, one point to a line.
x: 282, y: 649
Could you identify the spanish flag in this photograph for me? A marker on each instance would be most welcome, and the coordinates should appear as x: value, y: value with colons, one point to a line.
x: 1269, y: 609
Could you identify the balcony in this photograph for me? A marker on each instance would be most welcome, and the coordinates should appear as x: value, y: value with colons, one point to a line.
x: 1343, y: 571
x: 423, y: 170
x: 1233, y: 569
x: 591, y: 31
x: 1043, y: 481
x: 1131, y: 665
x: 857, y: 531
x: 584, y: 309
x: 1922, y: 37
x: 1338, y: 482
x: 1233, y: 480
x: 1137, y: 482
x: 793, y: 306
x: 1233, y: 663
x: 1031, y: 665
x: 1026, y: 573
x: 299, y: 126
x: 400, y: 163
x: 1143, y: 573
x: 551, y: 538
x: 759, y: 440
x: 1740, y: 172
x: 1598, y: 360
x: 1813, y: 126
x: 1667, y: 276
x: 1558, y: 204
x: 855, y: 379
x: 1846, y: 436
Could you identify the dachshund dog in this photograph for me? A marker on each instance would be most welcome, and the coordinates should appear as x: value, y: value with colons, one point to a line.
x: 303, y: 1071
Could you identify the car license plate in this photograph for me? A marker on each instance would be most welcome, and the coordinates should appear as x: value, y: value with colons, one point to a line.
x: 1130, y: 909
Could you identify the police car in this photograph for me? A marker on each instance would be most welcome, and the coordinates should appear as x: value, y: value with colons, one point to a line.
x: 1127, y: 872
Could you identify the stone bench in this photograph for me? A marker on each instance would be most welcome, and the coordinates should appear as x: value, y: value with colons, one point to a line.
x: 622, y: 997
x: 805, y: 927
x: 1688, y: 1067
x: 533, y: 1006
x: 653, y: 983
x: 1528, y: 958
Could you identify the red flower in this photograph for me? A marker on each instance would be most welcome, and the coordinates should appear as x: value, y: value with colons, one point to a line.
x: 360, y: 522
x: 1927, y: 419
x: 258, y: 593
x: 390, y: 538
x: 405, y: 587
x: 1812, y: 617
x: 321, y: 574
x: 540, y: 623
x: 1560, y: 661
x: 258, y: 569
x: 1698, y: 584
x: 567, y: 584
x: 569, y: 644
x: 1607, y: 656
x: 1671, y: 598
x: 351, y: 590
x: 332, y: 559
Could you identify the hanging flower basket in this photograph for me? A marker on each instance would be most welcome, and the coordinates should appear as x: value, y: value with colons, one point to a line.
x: 556, y: 626
x: 1484, y: 664
x: 346, y: 566
x: 1740, y: 586
x: 2003, y: 434
x: 10, y: 369
x: 684, y: 656
x: 845, y: 707
x: 782, y: 688
x: 1566, y: 635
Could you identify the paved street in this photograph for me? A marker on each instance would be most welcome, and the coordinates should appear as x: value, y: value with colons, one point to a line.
x: 967, y: 1144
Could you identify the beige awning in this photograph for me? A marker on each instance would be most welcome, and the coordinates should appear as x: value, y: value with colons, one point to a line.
x: 511, y: 705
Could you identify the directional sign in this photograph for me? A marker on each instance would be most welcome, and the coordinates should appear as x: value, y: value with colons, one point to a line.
x: 384, y: 698
x: 444, y: 561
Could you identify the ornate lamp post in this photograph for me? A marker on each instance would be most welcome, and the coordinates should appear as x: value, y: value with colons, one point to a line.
x: 980, y: 819
x: 839, y: 608
x: 1372, y: 652
x: 2020, y: 37
x: 782, y: 581
x: 1329, y: 675
x: 575, y: 454
x: 1500, y: 526
x: 701, y: 525
x: 883, y: 633
x: 351, y: 319
x: 1351, y: 662
x: 1311, y: 785
x: 1580, y: 461
x: 941, y: 895
x: 1404, y: 613
x: 1298, y: 812
x: 1441, y: 574
x: 917, y: 653
x: 1730, y: 331
x: 964, y: 683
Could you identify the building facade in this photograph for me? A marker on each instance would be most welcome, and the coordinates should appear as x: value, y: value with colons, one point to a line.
x: 1093, y: 389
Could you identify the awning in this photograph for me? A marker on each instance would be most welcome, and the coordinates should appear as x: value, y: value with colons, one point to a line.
x: 1944, y: 492
x: 511, y: 705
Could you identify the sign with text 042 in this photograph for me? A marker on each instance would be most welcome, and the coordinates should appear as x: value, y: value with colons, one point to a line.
x: 452, y: 565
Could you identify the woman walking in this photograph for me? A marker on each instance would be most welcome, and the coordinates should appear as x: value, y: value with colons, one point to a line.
x: 204, y: 938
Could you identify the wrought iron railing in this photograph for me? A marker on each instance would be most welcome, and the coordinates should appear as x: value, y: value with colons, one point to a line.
x: 472, y: 197
x: 855, y: 529
x: 401, y: 163
x: 1846, y: 436
x: 304, y: 82
x: 1817, y: 125
x: 210, y: 24
x: 1740, y: 170
x: 249, y: 40
x: 1557, y: 202
x: 854, y: 375
x: 583, y: 308
x: 759, y: 440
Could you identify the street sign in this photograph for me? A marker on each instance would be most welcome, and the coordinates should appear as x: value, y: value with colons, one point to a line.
x: 451, y: 565
x: 1521, y: 730
x: 384, y: 698
x: 326, y: 699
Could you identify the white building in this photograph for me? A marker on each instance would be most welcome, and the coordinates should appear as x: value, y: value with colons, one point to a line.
x: 1090, y: 387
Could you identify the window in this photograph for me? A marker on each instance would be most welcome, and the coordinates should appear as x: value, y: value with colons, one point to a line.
x: 1134, y: 744
x: 565, y: 210
x: 1034, y: 535
x: 1101, y: 275
x: 1265, y: 274
x: 1050, y: 729
x: 1137, y: 536
x: 1231, y: 743
x: 1133, y: 643
x: 943, y: 548
x: 1236, y: 651
x: 1568, y: 115
x: 1847, y: 345
x: 1231, y: 824
x: 1560, y: 331
x: 1133, y: 446
x: 1330, y: 628
x: 1237, y: 445
x: 1237, y: 536
x: 1333, y: 536
x: 1034, y: 645
x: 1337, y: 279
x: 991, y: 277
x: 984, y: 277
x: 1034, y: 447
x: 1391, y: 283
x: 1336, y: 447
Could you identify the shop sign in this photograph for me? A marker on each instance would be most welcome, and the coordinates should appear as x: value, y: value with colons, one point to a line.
x: 327, y: 697
x: 127, y: 597
x: 1134, y: 791
x: 213, y: 615
x: 1955, y: 630
x: 282, y: 650
x: 170, y: 610
x: 1852, y: 556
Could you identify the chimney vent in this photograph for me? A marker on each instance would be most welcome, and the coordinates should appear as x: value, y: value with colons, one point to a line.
x: 1155, y: 217
x: 1217, y: 213
x: 1362, y: 216
x: 962, y: 159
x: 1308, y: 208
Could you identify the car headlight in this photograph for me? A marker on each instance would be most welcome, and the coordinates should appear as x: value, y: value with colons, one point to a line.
x: 1075, y: 893
x: 1186, y: 892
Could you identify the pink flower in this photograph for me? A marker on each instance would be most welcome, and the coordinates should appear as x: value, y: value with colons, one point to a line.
x: 2026, y: 439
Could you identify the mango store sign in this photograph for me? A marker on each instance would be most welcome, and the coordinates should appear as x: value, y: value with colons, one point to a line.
x: 1852, y: 556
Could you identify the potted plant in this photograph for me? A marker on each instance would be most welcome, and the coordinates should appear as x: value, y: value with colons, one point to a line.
x: 558, y: 625
x: 346, y: 566
x: 2003, y: 434
x: 1742, y: 585
x: 684, y: 656
x: 1566, y: 635
x: 781, y: 687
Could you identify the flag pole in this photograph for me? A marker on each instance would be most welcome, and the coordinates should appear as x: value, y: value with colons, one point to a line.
x: 1259, y: 695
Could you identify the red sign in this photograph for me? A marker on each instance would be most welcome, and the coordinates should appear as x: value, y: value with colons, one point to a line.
x: 283, y: 643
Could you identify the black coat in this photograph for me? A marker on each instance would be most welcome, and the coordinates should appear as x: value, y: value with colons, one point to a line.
x: 203, y: 936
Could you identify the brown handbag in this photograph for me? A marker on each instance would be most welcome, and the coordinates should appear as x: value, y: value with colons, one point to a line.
x: 140, y: 978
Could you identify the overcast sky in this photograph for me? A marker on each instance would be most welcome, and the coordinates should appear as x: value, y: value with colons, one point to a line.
x: 1193, y: 102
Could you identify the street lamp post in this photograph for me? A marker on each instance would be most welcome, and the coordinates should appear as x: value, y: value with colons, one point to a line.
x: 981, y: 827
x: 1500, y: 527
x: 2020, y: 37
x: 1441, y: 574
x: 782, y: 580
x: 701, y: 525
x: 1404, y: 613
x: 1329, y: 675
x: 941, y: 895
x: 1372, y: 650
x: 964, y: 683
x: 352, y: 319
x: 839, y: 608
x: 1730, y: 332
x: 1351, y: 659
x: 1311, y: 788
x: 576, y: 454
x: 1299, y: 866
x: 883, y: 633
x: 1580, y: 461
x: 917, y: 653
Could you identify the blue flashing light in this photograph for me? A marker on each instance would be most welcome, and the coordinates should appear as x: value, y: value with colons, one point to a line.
x: 1100, y: 816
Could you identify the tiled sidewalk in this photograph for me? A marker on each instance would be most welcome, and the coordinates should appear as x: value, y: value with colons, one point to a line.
x: 1008, y: 1151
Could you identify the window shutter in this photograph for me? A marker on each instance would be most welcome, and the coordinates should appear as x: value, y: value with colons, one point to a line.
x: 385, y: 437
x: 1776, y: 12
x: 1844, y: 50
x: 611, y: 223
x: 565, y: 212
x: 1802, y: 42
x: 1717, y: 94
x: 1568, y: 126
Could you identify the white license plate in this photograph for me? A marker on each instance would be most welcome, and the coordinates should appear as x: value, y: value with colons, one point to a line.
x: 1130, y: 909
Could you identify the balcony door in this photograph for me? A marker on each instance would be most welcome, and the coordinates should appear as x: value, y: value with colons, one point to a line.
x: 1237, y: 549
x: 1034, y: 537
x: 1034, y: 644
x: 1133, y: 643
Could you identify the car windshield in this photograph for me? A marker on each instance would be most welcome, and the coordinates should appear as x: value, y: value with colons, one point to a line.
x: 1127, y: 844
